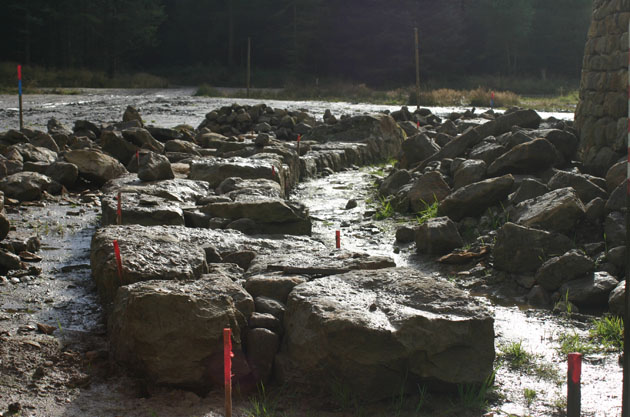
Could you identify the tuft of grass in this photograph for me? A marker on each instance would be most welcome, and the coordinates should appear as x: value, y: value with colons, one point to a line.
x: 474, y: 396
x: 574, y: 343
x: 261, y: 405
x: 385, y: 211
x: 429, y: 212
x: 530, y: 395
x: 343, y: 396
x: 516, y: 355
x: 609, y: 331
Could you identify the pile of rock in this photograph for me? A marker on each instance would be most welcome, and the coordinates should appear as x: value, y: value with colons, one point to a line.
x: 512, y: 185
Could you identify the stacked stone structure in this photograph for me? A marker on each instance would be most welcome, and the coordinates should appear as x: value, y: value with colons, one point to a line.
x: 601, y: 115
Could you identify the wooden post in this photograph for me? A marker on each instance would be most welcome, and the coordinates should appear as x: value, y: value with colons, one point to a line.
x: 19, y: 74
x: 574, y: 395
x: 249, y: 63
x: 417, y: 68
x: 625, y: 397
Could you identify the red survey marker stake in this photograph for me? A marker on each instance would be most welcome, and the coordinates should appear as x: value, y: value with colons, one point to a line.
x: 138, y: 158
x: 338, y: 239
x: 574, y: 395
x: 227, y: 370
x: 118, y: 260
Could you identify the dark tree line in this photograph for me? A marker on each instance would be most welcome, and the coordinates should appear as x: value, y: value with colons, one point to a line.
x: 361, y: 40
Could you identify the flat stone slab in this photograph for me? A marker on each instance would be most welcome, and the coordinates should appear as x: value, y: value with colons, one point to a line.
x: 179, y: 190
x: 179, y: 253
x: 146, y: 210
x: 377, y: 330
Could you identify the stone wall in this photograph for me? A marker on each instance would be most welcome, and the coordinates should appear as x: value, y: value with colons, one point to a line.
x: 601, y: 115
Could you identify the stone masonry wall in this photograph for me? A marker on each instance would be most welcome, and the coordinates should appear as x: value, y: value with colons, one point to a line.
x: 601, y: 115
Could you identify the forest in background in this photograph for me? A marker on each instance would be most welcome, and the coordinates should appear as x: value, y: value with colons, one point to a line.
x: 300, y: 41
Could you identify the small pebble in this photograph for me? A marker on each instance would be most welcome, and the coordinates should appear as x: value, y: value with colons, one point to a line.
x: 15, y: 280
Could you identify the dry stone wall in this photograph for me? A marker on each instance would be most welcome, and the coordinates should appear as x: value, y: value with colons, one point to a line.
x: 601, y: 115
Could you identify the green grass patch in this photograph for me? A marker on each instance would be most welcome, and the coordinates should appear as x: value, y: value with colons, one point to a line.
x: 429, y: 212
x: 475, y: 396
x: 385, y: 210
x: 516, y: 355
x: 572, y: 342
x: 609, y: 332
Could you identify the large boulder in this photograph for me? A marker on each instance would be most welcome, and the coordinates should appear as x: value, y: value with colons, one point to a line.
x: 379, y: 331
x: 154, y: 167
x: 558, y: 210
x: 272, y: 216
x: 526, y: 158
x: 179, y: 190
x: 521, y: 249
x: 560, y: 269
x: 437, y: 236
x: 95, y: 166
x: 214, y: 171
x: 426, y: 190
x: 473, y: 199
x: 25, y: 186
x: 592, y: 291
x: 141, y: 209
x: 565, y: 142
x: 171, y: 333
x: 64, y: 173
x: 31, y: 153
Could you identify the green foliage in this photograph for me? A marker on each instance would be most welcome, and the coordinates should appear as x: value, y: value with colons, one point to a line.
x: 385, y: 211
x: 572, y: 342
x: 430, y: 211
x: 609, y: 331
x: 261, y: 404
x: 343, y: 396
x: 474, y: 396
x: 516, y: 355
x: 530, y: 395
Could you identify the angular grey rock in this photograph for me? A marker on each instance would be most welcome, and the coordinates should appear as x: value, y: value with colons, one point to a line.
x: 539, y: 297
x: 595, y: 210
x: 392, y: 183
x: 44, y: 140
x: 270, y: 306
x: 405, y: 234
x: 265, y: 321
x: 145, y: 210
x: 273, y: 286
x: 426, y: 190
x: 529, y: 188
x: 377, y: 330
x: 417, y: 148
x: 270, y: 216
x: 473, y: 199
x: 178, y: 190
x: 114, y: 144
x: 31, y: 153
x: 95, y: 166
x: 617, y: 299
x: 521, y: 249
x: 262, y: 188
x: 143, y: 139
x: 164, y: 134
x: 437, y: 236
x: 592, y: 291
x: 468, y: 172
x: 560, y: 269
x: 584, y: 188
x: 565, y: 142
x: 526, y: 158
x: 64, y: 173
x: 617, y: 199
x: 558, y: 210
x: 615, y: 229
x: 131, y: 113
x: 25, y: 186
x: 262, y: 346
x: 487, y: 150
x: 154, y: 167
x: 216, y: 170
x: 181, y: 146
x: 616, y: 175
x: 171, y: 333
